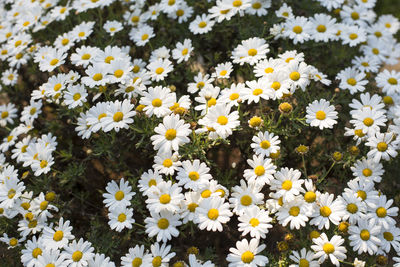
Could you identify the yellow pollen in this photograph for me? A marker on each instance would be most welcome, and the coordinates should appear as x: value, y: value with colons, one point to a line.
x: 255, y: 121
x: 18, y: 56
x: 17, y: 43
x: 156, y: 262
x: 265, y: 144
x: 297, y: 29
x: 145, y: 37
x: 118, y: 73
x: 223, y: 72
x: 32, y: 224
x: 159, y: 70
x: 137, y: 262
x: 246, y: 200
x: 314, y: 234
x: 4, y: 114
x: 375, y: 51
x: 352, y: 81
x: 368, y: 121
x: 320, y: 115
x: 310, y: 197
x: 254, y: 222
x: 321, y: 28
x: 202, y: 24
x: 247, y: 257
x: 237, y: 3
x: 57, y: 86
x: 192, y: 207
x: 352, y: 208
x: 152, y: 182
x: 392, y: 81
x: 222, y: 120
x: 194, y: 176
x: 43, y: 205
x: 65, y: 41
x: 328, y: 248
x: 119, y: 195
x: 163, y: 223
x: 180, y: 12
x: 381, y: 212
x: 185, y: 52
x: 287, y: 185
x: 213, y: 214
x: 167, y: 163
x: 365, y: 235
x: 200, y: 85
x: 359, y: 133
x: 234, y: 96
x: 325, y: 211
x: 257, y: 91
x: 25, y: 205
x: 58, y: 236
x: 382, y: 146
x: 304, y: 263
x: 367, y: 172
x: 102, y: 115
x: 206, y: 193
x: 97, y: 77
x: 32, y: 111
x: 43, y: 164
x: 294, y: 211
x: 156, y: 102
x: 252, y: 52
x: 54, y: 61
x: 11, y: 193
x: 211, y: 102
x: 268, y: 70
x: 388, y: 236
x: 165, y: 199
x: 13, y: 242
x: 122, y: 217
x: 36, y: 252
x: 259, y: 170
x: 295, y: 76
x: 118, y: 116
x: 355, y: 16
x: 77, y: 256
x: 170, y: 134
x: 276, y: 86
x: 361, y: 194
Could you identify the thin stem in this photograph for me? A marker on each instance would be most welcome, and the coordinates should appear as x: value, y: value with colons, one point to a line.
x: 326, y: 174
x: 304, y: 165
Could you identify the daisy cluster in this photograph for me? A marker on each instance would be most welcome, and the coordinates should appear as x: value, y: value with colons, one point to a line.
x: 110, y: 88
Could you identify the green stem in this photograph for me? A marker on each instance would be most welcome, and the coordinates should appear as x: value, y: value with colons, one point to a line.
x: 326, y: 174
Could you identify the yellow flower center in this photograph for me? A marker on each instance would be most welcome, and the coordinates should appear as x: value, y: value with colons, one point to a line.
x: 294, y: 211
x: 388, y: 236
x: 328, y: 248
x: 234, y: 96
x: 156, y: 262
x: 54, y: 61
x: 77, y: 256
x: 36, y: 252
x: 118, y: 73
x: 118, y: 116
x: 257, y: 91
x: 194, y: 176
x: 206, y: 193
x: 159, y: 70
x: 13, y: 242
x: 137, y: 262
x: 4, y: 114
x: 361, y: 194
x: 211, y: 102
x: 320, y: 115
x: 381, y: 212
x: 165, y: 198
x: 392, y: 81
x: 97, y: 77
x: 119, y: 195
x: 321, y: 28
x: 359, y: 133
x: 269, y: 70
x: 325, y: 211
x: 25, y: 205
x: 202, y: 24
x: 252, y: 52
x: 81, y: 34
x: 365, y: 235
x: 167, y: 163
x: 213, y: 214
x: 192, y: 207
x: 180, y: 12
x: 310, y: 197
x: 367, y: 172
x: 108, y: 59
x: 355, y: 15
x: 247, y: 257
x: 353, y: 36
x: 246, y: 200
x: 43, y: 205
x: 314, y: 234
x: 185, y: 51
x: 152, y: 182
x: 65, y: 41
x: 163, y: 223
x: 304, y: 263
x: 58, y: 235
x: 223, y: 72
x: 352, y: 208
x: 276, y: 86
x: 297, y: 29
x: 170, y: 134
x: 382, y: 146
x: 368, y: 121
x: 76, y: 96
x: 295, y: 76
x: 122, y: 217
x: 259, y: 170
x: 32, y: 224
x: 265, y: 144
x: 254, y: 222
x: 287, y: 185
x: 223, y: 120
x: 145, y: 37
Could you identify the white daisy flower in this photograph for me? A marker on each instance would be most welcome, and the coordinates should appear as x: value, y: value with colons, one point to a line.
x: 245, y: 254
x: 212, y: 213
x: 332, y: 249
x: 321, y: 114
